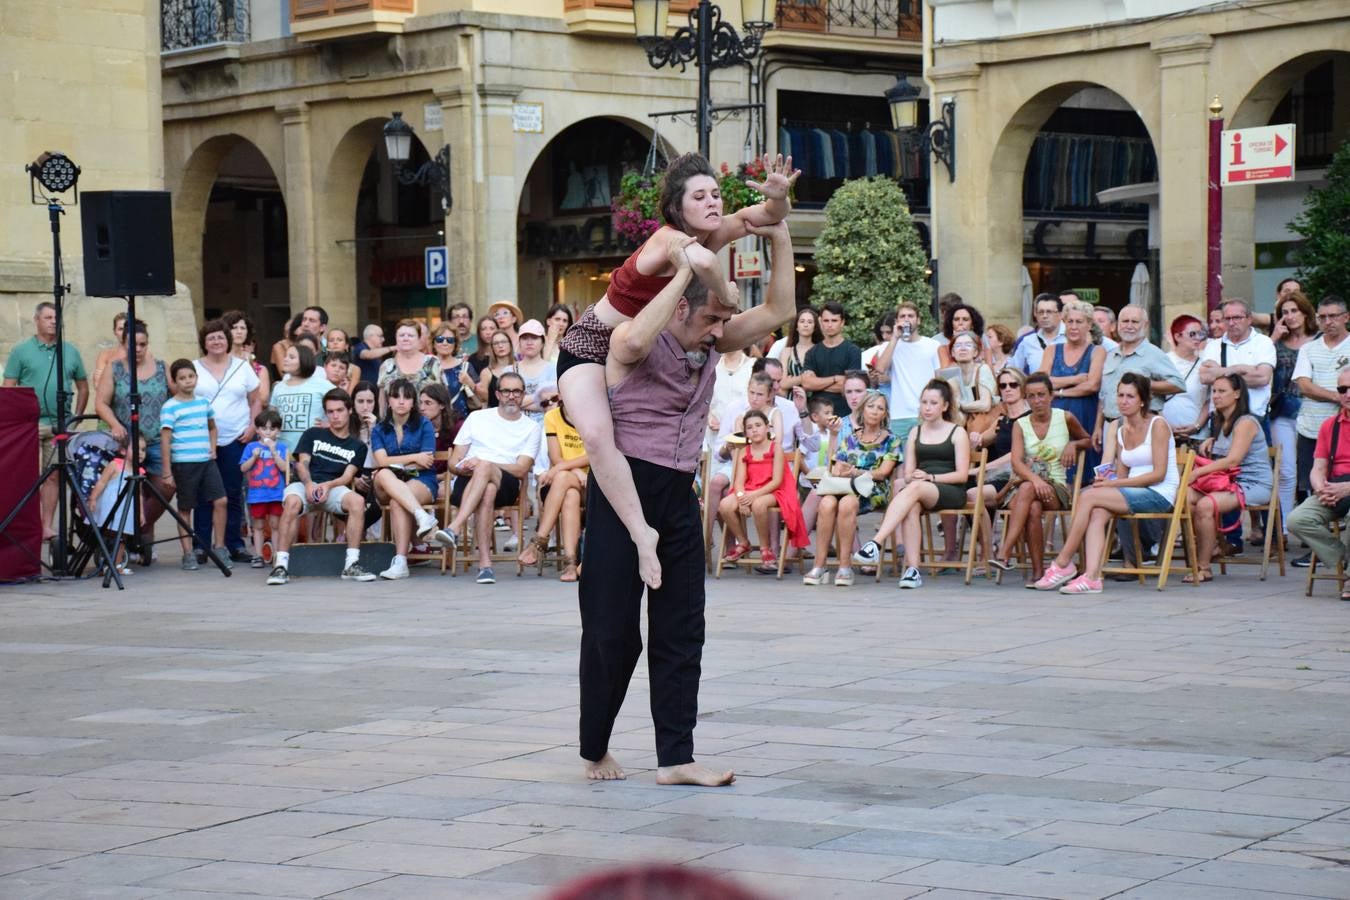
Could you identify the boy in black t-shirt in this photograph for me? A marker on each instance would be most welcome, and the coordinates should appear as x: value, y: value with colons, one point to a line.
x: 825, y: 364
x: 326, y: 461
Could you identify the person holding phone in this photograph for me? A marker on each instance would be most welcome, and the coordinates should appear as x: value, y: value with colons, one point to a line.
x: 907, y: 364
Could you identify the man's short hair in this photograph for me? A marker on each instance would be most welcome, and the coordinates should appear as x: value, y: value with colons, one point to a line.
x: 1069, y: 293
x: 1333, y: 300
x: 340, y: 396
x: 323, y: 313
x: 695, y: 294
x: 1235, y: 301
x: 371, y: 329
x: 948, y: 300
x: 819, y: 402
x: 909, y: 305
x: 835, y: 308
x: 1111, y: 313
x: 44, y: 305
x: 464, y: 306
x: 763, y: 379
x: 1047, y: 298
x: 1142, y: 311
x: 763, y: 363
x: 1279, y: 288
x: 501, y: 379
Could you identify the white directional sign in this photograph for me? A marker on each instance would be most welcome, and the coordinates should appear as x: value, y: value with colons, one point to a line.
x: 1250, y: 155
x: 437, y: 267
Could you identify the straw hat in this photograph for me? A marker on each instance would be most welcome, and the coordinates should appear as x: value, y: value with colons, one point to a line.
x: 505, y: 304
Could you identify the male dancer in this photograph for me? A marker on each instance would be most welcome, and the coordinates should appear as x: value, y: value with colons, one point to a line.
x: 660, y: 376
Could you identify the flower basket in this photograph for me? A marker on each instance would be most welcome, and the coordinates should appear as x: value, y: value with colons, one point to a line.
x: 636, y: 208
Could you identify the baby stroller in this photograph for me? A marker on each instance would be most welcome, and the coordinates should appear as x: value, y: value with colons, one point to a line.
x: 90, y: 452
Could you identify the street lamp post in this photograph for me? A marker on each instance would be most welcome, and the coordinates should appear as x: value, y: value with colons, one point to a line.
x: 708, y: 41
x: 939, y: 137
x: 433, y: 174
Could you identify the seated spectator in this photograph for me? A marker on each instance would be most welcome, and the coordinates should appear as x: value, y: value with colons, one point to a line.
x: 494, y: 452
x: 1238, y: 440
x: 409, y: 361
x: 758, y: 396
x: 338, y: 342
x: 434, y: 403
x: 870, y: 447
x: 1045, y: 445
x: 501, y: 359
x: 299, y: 394
x: 760, y: 483
x: 936, y: 471
x: 327, y: 461
x: 405, y: 474
x: 1145, y: 480
x: 562, y: 489
x: 1011, y: 406
x: 1330, y: 481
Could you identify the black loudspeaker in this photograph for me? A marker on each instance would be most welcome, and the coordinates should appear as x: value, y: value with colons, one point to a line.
x: 128, y: 243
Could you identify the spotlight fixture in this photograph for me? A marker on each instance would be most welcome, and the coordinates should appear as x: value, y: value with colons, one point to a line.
x: 55, y: 172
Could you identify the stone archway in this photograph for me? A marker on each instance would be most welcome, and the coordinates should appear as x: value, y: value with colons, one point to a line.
x: 566, y: 241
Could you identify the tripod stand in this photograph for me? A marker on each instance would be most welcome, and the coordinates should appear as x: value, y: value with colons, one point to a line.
x: 62, y: 467
x: 129, y: 496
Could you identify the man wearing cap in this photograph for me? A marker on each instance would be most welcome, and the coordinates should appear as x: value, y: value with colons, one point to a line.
x: 540, y: 374
x: 507, y: 316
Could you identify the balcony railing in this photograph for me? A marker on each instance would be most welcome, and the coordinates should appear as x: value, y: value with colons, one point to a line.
x: 199, y: 23
x: 865, y: 18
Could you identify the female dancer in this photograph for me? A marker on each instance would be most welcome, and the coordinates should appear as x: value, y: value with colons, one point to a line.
x: 1147, y: 481
x: 691, y: 204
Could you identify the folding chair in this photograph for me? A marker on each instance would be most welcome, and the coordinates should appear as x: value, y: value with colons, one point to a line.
x: 1048, y: 519
x: 1274, y: 526
x: 465, y: 544
x: 790, y: 471
x: 439, y: 508
x: 1178, y: 521
x: 1338, y: 576
x: 929, y: 555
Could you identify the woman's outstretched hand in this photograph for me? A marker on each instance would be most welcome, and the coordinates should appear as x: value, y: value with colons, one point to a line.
x: 779, y: 177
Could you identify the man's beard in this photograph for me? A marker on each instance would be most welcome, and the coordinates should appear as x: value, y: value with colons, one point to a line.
x: 697, y: 358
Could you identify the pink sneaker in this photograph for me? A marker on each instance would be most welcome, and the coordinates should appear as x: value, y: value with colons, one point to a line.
x: 1055, y: 576
x: 1082, y: 585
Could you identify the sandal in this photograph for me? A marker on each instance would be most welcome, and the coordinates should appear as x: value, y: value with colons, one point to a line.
x: 736, y: 552
x: 1205, y: 575
x: 538, y: 545
x: 569, y: 569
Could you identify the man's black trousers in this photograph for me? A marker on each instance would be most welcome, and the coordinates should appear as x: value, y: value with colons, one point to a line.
x: 611, y: 604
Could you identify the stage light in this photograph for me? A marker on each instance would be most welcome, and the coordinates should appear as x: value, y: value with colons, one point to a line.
x: 54, y: 171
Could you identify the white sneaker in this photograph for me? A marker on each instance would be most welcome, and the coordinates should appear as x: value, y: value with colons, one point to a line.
x: 426, y: 524
x: 511, y: 544
x: 867, y: 554
x: 911, y: 578
x: 397, y: 569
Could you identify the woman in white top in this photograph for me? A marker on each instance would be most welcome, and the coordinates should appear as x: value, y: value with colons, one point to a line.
x: 1188, y: 412
x: 1145, y: 480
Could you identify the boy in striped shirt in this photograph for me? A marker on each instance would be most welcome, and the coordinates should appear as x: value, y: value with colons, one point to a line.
x: 187, y: 438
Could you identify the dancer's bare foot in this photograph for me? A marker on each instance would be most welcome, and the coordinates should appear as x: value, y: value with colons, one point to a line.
x: 605, y: 769
x: 693, y: 773
x: 649, y: 565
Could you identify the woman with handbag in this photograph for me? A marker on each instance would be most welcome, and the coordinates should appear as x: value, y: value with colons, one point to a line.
x: 870, y: 448
x: 1146, y: 480
x: 1045, y: 445
x: 1236, y: 473
x: 937, y: 465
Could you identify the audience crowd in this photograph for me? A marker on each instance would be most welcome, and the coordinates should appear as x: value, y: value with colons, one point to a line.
x: 445, y: 436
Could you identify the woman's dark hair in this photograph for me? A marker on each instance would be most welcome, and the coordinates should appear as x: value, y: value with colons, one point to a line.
x: 211, y: 327
x: 401, y: 387
x: 365, y: 386
x: 816, y: 336
x: 306, y: 357
x: 491, y: 356
x: 305, y: 339
x: 337, y: 356
x: 234, y: 317
x: 480, y: 357
x: 681, y: 169
x: 1241, y: 408
x: 1038, y: 378
x: 1299, y: 299
x: 945, y: 389
x: 268, y: 418
x: 560, y: 308
x: 441, y: 395
x: 879, y: 328
x: 1142, y: 387
x: 293, y: 327
x: 976, y: 320
x: 754, y: 414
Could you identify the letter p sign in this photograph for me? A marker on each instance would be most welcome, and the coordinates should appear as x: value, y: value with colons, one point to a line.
x: 437, y: 267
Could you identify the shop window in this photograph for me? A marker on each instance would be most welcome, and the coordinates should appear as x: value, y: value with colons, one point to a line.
x: 834, y: 137
x: 1082, y: 151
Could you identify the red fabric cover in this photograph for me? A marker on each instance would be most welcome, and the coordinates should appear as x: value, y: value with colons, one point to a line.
x: 19, y: 462
x: 629, y: 290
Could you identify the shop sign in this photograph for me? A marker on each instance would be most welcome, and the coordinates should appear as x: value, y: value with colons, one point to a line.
x: 431, y: 117
x: 527, y: 117
x: 1251, y: 155
x: 749, y: 265
x: 593, y: 236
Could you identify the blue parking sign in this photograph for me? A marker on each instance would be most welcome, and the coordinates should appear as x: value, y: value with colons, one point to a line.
x: 437, y: 267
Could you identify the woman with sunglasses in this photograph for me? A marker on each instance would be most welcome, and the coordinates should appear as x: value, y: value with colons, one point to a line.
x: 454, y: 368
x: 1188, y: 412
x: 997, y: 439
x: 1295, y: 325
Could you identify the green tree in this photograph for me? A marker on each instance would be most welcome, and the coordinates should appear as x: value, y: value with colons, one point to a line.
x: 1324, y: 260
x: 869, y: 257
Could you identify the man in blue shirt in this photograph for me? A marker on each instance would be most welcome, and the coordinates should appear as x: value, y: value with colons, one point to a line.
x: 1030, y: 349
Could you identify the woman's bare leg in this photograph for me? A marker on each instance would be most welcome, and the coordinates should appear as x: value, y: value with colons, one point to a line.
x: 1036, y: 538
x: 563, y: 483
x: 585, y: 395
x: 571, y: 521
x: 759, y: 508
x: 730, y: 513
x: 1017, y: 520
x: 846, y: 522
x: 825, y: 515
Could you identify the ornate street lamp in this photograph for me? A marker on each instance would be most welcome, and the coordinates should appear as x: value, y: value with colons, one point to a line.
x: 707, y: 41
x: 434, y: 174
x: 939, y: 137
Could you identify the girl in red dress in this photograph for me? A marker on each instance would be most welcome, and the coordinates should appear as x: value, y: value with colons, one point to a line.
x: 691, y: 205
x: 760, y: 483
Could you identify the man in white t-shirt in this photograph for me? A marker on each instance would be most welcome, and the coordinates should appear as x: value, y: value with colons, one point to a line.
x: 1242, y: 351
x: 493, y: 453
x: 907, y: 363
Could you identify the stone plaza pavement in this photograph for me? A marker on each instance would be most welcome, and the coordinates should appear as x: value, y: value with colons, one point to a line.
x: 204, y: 738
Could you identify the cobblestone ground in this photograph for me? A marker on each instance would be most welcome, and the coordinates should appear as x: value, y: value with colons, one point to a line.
x: 197, y: 737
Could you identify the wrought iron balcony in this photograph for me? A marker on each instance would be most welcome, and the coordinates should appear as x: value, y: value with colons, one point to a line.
x: 901, y: 19
x: 185, y: 24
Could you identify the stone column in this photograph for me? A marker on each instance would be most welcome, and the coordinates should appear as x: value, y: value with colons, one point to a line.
x: 500, y: 193
x: 298, y: 179
x: 462, y: 223
x: 1183, y: 160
